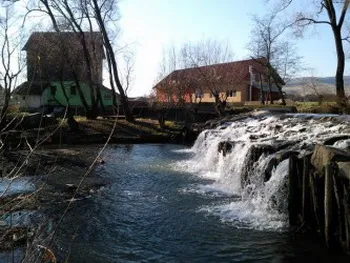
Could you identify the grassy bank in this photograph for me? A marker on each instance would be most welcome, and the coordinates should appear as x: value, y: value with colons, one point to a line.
x: 98, y: 131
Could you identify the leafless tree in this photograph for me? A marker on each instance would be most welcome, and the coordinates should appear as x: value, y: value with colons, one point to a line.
x: 88, y: 16
x: 314, y: 87
x: 331, y: 13
x: 105, y: 11
x: 208, y: 52
x: 128, y: 71
x: 172, y: 87
x: 172, y: 91
x: 64, y: 15
x: 11, y: 64
x: 268, y: 41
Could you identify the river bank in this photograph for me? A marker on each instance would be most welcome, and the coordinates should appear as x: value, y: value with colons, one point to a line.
x: 59, y: 173
x: 86, y: 132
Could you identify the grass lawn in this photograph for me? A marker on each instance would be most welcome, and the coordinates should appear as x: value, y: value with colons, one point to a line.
x: 315, y: 107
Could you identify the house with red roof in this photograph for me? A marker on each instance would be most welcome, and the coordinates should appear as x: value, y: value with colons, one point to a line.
x: 238, y: 81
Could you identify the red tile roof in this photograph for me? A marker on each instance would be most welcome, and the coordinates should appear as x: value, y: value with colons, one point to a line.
x: 223, y: 73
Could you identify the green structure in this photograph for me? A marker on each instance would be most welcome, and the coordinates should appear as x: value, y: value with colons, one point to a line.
x: 66, y: 93
x: 48, y: 95
x: 64, y: 69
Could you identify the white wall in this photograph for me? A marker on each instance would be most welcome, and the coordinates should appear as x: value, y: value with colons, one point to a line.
x: 30, y: 101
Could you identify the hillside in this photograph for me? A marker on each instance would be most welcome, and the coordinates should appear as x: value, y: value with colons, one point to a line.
x: 303, y: 85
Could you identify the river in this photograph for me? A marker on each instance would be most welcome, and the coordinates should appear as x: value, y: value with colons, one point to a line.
x: 154, y: 211
x: 171, y: 203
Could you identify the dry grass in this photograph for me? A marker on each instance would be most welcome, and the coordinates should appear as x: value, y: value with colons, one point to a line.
x: 315, y: 107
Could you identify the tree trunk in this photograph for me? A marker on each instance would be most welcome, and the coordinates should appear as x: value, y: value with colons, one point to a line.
x: 110, y: 55
x: 270, y: 91
x: 4, y: 109
x: 262, y: 100
x: 281, y: 94
x: 339, y: 77
x: 219, y: 107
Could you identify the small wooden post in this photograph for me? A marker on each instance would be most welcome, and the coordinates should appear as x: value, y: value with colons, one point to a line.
x: 328, y: 199
x: 305, y: 187
x: 315, y: 203
x: 339, y: 210
x: 346, y: 219
x: 293, y: 193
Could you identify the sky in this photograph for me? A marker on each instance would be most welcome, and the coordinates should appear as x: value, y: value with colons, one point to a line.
x: 150, y: 26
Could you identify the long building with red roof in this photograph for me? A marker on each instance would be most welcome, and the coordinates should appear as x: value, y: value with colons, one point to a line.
x: 238, y: 81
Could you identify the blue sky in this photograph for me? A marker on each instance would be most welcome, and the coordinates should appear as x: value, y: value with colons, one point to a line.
x: 149, y: 26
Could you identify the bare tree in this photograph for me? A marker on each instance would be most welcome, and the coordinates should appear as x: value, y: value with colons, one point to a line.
x: 333, y: 14
x: 11, y: 63
x: 268, y: 41
x: 200, y: 56
x: 173, y: 91
x: 63, y: 15
x: 314, y: 88
x: 104, y: 10
x: 88, y: 16
x: 128, y: 71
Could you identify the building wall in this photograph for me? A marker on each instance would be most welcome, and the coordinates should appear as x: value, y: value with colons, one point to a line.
x: 241, y: 93
x: 207, y: 97
x: 171, y: 95
x: 53, y: 65
x: 28, y: 101
x: 58, y: 97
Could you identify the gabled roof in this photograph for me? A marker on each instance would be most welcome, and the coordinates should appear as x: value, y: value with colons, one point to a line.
x: 229, y: 73
x: 38, y: 40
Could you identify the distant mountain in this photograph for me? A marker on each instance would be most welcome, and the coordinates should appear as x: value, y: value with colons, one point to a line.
x: 321, y: 80
x: 300, y: 85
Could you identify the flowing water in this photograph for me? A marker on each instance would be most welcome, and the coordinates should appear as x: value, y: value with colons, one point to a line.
x: 168, y: 203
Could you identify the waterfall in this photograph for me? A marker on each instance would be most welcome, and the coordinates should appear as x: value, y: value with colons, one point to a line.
x: 246, y: 161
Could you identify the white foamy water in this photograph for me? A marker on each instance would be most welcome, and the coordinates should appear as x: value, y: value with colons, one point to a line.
x: 255, y: 203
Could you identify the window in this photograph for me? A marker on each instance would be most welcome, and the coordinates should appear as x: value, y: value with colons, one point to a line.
x: 231, y: 93
x: 53, y: 90
x: 73, y: 90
